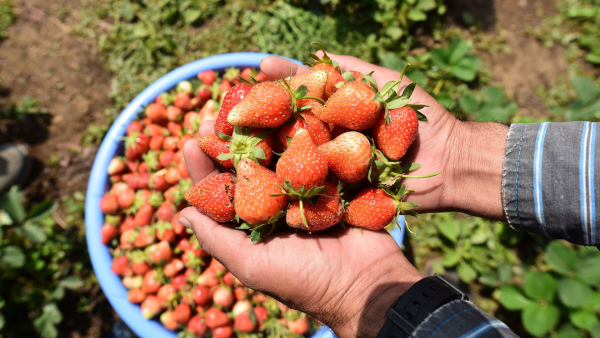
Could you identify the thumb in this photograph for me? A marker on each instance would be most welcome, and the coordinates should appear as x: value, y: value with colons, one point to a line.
x: 220, y: 240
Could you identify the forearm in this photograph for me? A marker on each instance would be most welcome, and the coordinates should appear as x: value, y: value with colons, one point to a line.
x: 475, y: 169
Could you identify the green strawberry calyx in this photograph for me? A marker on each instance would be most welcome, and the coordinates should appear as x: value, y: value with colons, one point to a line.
x: 258, y: 231
x: 242, y: 145
x: 388, y: 172
x: 298, y: 94
x: 402, y: 208
x: 309, y: 195
x: 389, y: 98
x: 325, y: 59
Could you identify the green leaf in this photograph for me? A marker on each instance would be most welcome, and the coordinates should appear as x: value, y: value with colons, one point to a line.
x: 466, y: 273
x: 11, y: 204
x: 450, y: 259
x: 585, y: 88
x: 58, y: 293
x: 34, y: 232
x: 449, y: 230
x: 479, y: 237
x: 12, y: 256
x: 489, y: 278
x: 416, y: 15
x: 540, y: 286
x: 594, y: 332
x: 391, y: 61
x: 127, y: 10
x: 71, y: 283
x: 512, y: 298
x: 457, y: 51
x: 561, y: 257
x: 408, y: 91
x: 584, y: 319
x: 398, y: 103
x: 42, y: 210
x: 494, y: 95
x: 394, y: 32
x: 191, y: 15
x: 573, y: 293
x: 5, y: 218
x: 348, y: 76
x: 469, y: 104
x: 410, y: 167
x: 244, y: 226
x: 259, y: 153
x: 539, y: 319
x: 302, y: 91
x: 567, y: 331
x: 466, y: 69
x: 588, y: 266
x: 1, y: 321
x: 504, y: 273
x: 224, y: 156
x: 421, y: 117
x: 440, y: 57
x: 256, y: 234
x: 45, y: 324
x: 592, y: 303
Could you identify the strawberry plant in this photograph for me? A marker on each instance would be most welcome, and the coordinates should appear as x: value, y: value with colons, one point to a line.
x: 34, y: 270
x: 564, y: 289
x: 456, y: 61
x: 586, y: 104
x: 490, y: 105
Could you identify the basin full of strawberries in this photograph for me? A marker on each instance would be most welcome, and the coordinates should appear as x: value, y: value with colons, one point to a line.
x: 152, y: 270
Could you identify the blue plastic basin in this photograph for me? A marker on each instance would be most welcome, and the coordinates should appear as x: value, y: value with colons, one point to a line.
x: 99, y: 184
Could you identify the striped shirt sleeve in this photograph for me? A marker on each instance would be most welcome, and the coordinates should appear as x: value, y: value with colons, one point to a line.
x: 549, y: 180
x: 461, y: 319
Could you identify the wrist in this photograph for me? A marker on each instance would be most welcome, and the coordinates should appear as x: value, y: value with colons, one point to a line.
x: 362, y: 310
x: 474, y: 185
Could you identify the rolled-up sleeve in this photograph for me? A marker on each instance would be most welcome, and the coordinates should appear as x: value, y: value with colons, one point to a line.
x: 549, y: 180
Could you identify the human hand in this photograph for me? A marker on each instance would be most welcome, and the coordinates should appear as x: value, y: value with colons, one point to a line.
x: 469, y: 155
x: 346, y: 278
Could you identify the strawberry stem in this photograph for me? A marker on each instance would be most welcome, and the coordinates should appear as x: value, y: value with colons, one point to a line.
x: 302, y: 213
x: 418, y: 176
x: 313, y: 98
x: 397, y: 82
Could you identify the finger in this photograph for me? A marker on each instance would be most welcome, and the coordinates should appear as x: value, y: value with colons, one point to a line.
x: 274, y: 67
x: 207, y: 127
x: 221, y: 241
x: 199, y: 165
x: 381, y: 75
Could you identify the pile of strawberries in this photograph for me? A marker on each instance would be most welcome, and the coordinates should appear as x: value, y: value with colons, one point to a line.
x: 310, y: 151
x: 161, y: 262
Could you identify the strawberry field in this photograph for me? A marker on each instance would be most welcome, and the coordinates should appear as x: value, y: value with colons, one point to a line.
x: 69, y: 67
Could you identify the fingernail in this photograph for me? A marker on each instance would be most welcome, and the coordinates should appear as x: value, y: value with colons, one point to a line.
x: 184, y: 221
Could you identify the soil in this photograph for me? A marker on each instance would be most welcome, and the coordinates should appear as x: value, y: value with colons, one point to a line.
x: 42, y: 60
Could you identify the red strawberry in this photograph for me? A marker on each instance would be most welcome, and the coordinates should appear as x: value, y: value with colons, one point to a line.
x: 161, y: 252
x: 240, y: 293
x: 302, y: 165
x: 375, y: 208
x: 266, y: 105
x: 179, y: 282
x: 241, y: 307
x: 223, y: 332
x: 299, y: 326
x: 116, y: 166
x: 195, y: 102
x: 150, y: 284
x: 173, y: 267
x: 325, y: 64
x: 213, y: 146
x: 191, y: 122
x: 260, y: 77
x: 348, y: 156
x: 229, y: 279
x: 325, y: 213
x: 131, y: 282
x: 135, y: 145
x: 225, y: 85
x: 127, y: 238
x: 136, y: 296
x: 214, y: 197
x: 182, y: 140
x: 208, y: 278
x: 144, y: 215
x: 339, y: 78
x: 170, y: 143
x: 165, y: 212
x: 150, y: 306
x: 318, y: 130
x: 338, y: 130
x: 182, y: 314
x: 202, y: 295
x: 204, y: 92
x: 261, y: 314
x: 125, y: 198
x: 109, y: 204
x: 215, y: 318
x: 315, y: 81
x: 255, y: 185
x: 178, y: 228
x: 207, y: 77
x: 231, y: 99
x: 223, y: 297
x: 175, y: 128
x: 164, y: 232
x: 394, y: 138
x: 166, y: 158
x: 140, y: 268
x: 196, y: 326
x: 166, y: 294
x: 108, y: 232
x: 144, y: 238
x: 183, y: 170
x: 166, y: 318
x: 245, y: 323
x: 172, y: 176
x: 352, y: 106
x: 156, y: 112
x: 134, y: 127
x: 153, y: 130
x: 182, y: 101
x: 245, y: 143
x: 120, y: 266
